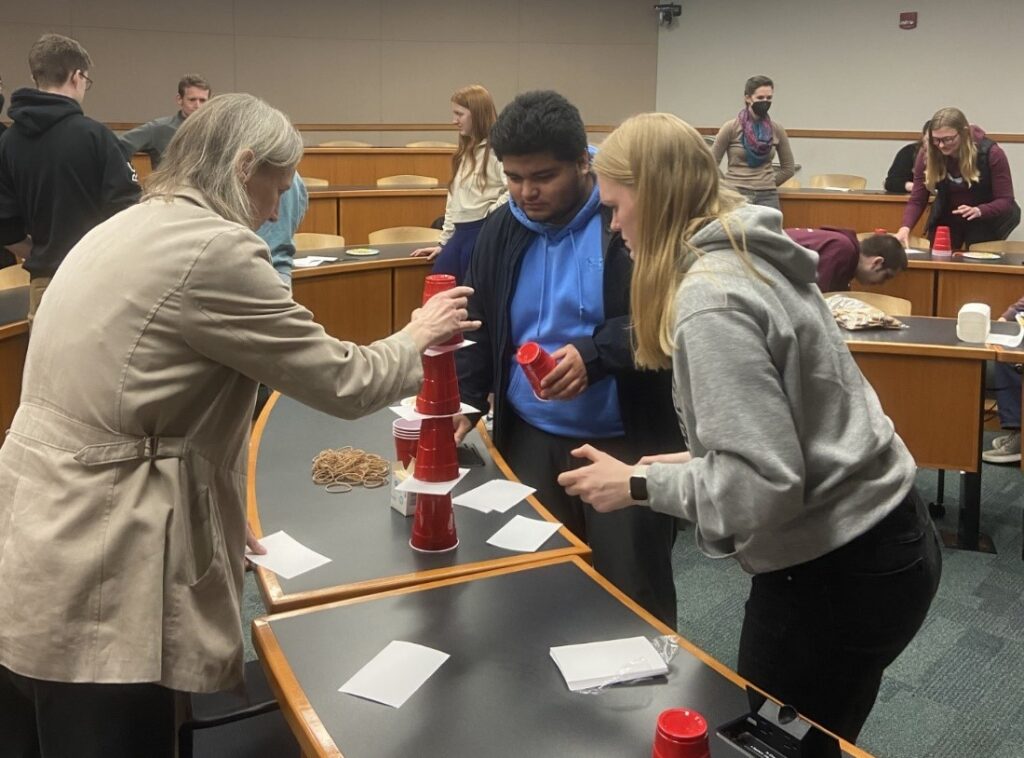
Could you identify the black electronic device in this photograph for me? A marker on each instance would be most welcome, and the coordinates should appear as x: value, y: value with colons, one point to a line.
x: 469, y: 457
x: 771, y: 730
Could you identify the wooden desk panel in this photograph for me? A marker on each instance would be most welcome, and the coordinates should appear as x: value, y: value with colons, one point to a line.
x: 351, y: 305
x: 408, y: 292
x: 861, y: 212
x: 364, y: 166
x: 13, y: 346
x: 321, y: 216
x: 998, y: 288
x: 358, y: 216
x: 915, y: 284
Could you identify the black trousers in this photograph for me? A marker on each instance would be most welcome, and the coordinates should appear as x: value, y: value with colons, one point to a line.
x: 632, y: 547
x: 40, y: 719
x: 818, y: 635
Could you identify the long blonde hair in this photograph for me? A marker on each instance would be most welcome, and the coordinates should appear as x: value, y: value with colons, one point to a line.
x: 967, y: 155
x: 231, y: 136
x: 478, y: 101
x: 670, y: 168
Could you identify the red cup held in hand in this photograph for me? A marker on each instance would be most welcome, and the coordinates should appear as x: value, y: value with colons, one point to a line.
x: 433, y: 284
x: 433, y: 526
x: 536, y: 364
x: 681, y: 733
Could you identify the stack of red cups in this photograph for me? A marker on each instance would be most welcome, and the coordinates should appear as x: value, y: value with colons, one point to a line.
x: 941, y: 246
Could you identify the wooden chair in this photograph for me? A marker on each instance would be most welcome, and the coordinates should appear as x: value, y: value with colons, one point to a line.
x: 344, y: 143
x: 13, y: 276
x: 430, y: 143
x: 404, y: 234
x: 409, y: 180
x: 998, y: 246
x: 306, y: 242
x: 791, y: 183
x: 891, y: 306
x: 916, y: 243
x: 839, y: 181
x: 310, y: 181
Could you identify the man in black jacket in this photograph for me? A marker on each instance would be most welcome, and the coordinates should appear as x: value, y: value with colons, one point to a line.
x: 61, y: 173
x: 547, y: 269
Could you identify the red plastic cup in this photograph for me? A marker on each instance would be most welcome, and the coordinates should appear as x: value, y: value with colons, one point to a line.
x: 439, y: 395
x: 941, y: 243
x: 407, y: 435
x: 536, y: 364
x: 681, y: 733
x: 437, y: 459
x: 880, y: 230
x: 433, y: 526
x: 433, y: 284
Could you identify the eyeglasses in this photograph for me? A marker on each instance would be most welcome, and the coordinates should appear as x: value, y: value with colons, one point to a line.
x: 941, y: 141
x: 88, y: 81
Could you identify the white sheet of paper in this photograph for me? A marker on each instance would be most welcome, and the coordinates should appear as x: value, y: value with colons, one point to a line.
x: 311, y: 261
x: 524, y: 535
x: 442, y: 349
x: 409, y: 411
x: 412, y: 484
x: 595, y: 664
x: 395, y: 673
x: 496, y: 495
x: 286, y: 556
x: 1006, y: 340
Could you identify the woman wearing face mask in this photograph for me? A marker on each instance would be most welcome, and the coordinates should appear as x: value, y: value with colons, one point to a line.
x: 970, y: 176
x: 478, y: 183
x: 122, y: 479
x: 751, y: 141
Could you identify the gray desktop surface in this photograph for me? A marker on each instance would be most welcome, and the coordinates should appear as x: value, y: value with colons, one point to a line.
x: 13, y: 305
x: 499, y: 694
x: 365, y: 538
x: 923, y: 330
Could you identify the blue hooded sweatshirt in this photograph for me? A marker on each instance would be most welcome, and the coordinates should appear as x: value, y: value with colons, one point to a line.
x: 559, y: 298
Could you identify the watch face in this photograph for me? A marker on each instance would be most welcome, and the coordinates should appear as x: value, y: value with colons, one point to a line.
x: 638, y: 488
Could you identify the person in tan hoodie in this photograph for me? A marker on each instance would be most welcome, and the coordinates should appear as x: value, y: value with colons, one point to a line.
x: 122, y: 509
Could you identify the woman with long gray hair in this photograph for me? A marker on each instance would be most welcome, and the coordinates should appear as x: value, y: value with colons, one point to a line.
x: 122, y: 518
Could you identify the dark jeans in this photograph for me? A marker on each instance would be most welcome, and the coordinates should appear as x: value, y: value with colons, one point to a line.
x: 632, y: 547
x: 1003, y: 380
x: 61, y: 720
x: 818, y: 635
x: 457, y: 252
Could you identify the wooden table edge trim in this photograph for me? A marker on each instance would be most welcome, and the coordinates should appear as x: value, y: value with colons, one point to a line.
x: 13, y: 329
x: 968, y: 266
x: 266, y: 580
x: 379, y: 192
x: 275, y: 658
x: 373, y: 264
x: 922, y: 349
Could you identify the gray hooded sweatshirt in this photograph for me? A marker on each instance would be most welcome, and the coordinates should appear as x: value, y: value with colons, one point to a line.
x: 792, y: 454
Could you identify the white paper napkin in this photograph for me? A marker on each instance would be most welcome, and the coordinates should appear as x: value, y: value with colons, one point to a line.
x: 596, y: 664
x: 286, y: 556
x: 395, y: 673
x: 524, y: 535
x: 496, y: 495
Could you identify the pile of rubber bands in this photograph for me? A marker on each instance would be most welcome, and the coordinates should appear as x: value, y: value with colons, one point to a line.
x: 339, y: 470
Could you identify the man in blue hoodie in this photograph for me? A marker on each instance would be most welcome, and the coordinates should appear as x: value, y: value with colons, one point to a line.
x: 61, y: 173
x: 547, y: 269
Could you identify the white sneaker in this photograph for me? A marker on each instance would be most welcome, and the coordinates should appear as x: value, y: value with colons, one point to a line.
x: 1005, y: 449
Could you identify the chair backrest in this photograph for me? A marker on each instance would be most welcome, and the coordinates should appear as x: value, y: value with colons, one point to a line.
x: 430, y: 143
x: 13, y: 276
x: 839, y: 181
x: 404, y: 234
x: 412, y: 180
x: 791, y: 183
x: 307, y: 241
x: 310, y: 181
x: 344, y: 143
x: 998, y: 246
x: 892, y: 306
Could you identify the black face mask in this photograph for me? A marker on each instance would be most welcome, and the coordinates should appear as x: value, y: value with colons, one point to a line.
x: 760, y: 107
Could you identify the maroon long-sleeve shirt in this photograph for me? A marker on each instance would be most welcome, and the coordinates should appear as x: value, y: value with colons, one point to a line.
x: 838, y: 254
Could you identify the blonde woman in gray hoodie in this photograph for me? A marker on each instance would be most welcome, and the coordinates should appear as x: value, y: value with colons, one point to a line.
x: 793, y: 469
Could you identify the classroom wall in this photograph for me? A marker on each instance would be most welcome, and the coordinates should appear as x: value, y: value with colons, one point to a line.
x: 847, y: 66
x: 349, y: 61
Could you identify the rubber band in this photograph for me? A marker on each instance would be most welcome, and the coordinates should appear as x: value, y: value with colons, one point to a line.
x: 341, y: 469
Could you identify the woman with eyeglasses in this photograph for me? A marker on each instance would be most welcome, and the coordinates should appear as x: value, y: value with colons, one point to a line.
x: 970, y: 177
x: 752, y: 140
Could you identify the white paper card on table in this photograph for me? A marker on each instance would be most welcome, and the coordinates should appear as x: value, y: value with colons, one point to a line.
x: 395, y: 673
x: 311, y: 261
x: 496, y: 495
x: 596, y: 664
x: 442, y: 349
x: 524, y: 535
x: 286, y: 556
x: 1006, y: 340
x: 410, y: 413
x: 412, y: 484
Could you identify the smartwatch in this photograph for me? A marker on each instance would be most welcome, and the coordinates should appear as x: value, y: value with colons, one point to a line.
x: 638, y: 484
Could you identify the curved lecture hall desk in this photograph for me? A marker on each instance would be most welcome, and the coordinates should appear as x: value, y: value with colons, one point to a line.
x: 932, y: 386
x: 499, y: 694
x: 13, y: 346
x: 860, y: 210
x: 366, y: 540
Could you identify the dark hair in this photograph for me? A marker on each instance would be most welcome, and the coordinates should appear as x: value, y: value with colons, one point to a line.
x: 756, y: 82
x: 192, y: 80
x: 888, y: 248
x: 924, y: 129
x: 54, y: 58
x: 539, y: 122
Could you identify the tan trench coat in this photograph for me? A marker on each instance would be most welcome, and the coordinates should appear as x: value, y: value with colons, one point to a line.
x: 122, y: 480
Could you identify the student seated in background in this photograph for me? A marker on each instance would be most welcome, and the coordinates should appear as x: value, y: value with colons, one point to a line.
x: 842, y: 258
x: 152, y: 137
x: 1005, y: 382
x: 901, y: 173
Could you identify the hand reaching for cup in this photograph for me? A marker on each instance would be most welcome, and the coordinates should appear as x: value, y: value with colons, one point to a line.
x: 903, y: 235
x: 967, y: 212
x: 443, y: 316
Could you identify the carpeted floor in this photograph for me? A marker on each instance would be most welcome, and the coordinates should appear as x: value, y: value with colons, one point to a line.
x: 956, y: 691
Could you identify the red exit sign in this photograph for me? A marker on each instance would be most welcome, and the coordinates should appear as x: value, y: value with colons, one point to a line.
x: 908, y: 20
